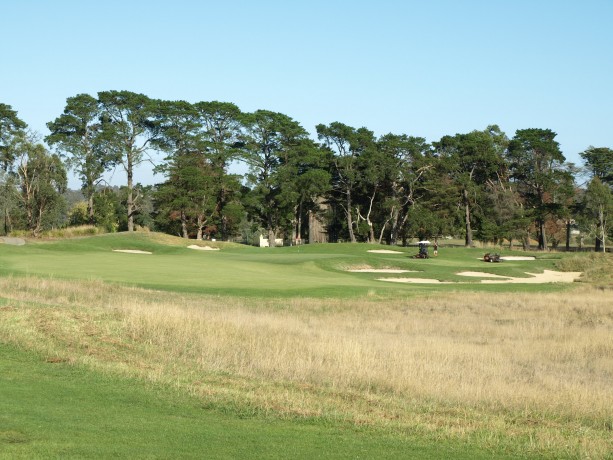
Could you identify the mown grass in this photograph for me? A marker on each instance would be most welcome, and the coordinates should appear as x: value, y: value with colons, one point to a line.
x: 467, y: 370
x: 52, y: 409
x: 514, y: 374
x: 299, y: 271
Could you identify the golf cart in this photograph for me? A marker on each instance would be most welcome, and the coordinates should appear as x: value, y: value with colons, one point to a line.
x: 423, y: 250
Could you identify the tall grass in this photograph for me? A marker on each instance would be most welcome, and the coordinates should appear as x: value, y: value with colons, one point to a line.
x: 537, y: 368
x: 67, y: 232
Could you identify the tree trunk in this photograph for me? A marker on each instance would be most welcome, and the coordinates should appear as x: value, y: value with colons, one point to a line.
x: 220, y: 208
x: 271, y: 238
x: 542, y: 236
x: 600, y: 231
x: 371, y: 229
x: 184, y: 225
x: 469, y: 232
x: 7, y: 222
x: 201, y: 224
x: 526, y: 241
x: 299, y: 225
x: 349, y: 217
x: 130, y: 201
x: 567, y: 235
x: 603, y: 228
x: 90, y: 209
x: 393, y: 236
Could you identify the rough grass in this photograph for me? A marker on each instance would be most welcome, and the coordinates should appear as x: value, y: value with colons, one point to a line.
x: 528, y: 373
x: 63, y: 233
x: 597, y: 268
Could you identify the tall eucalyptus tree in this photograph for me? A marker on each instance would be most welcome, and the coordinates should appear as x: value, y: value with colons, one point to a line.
x: 129, y: 129
x: 76, y: 134
x: 471, y: 160
x: 272, y: 142
x: 346, y: 144
x: 12, y: 128
x: 537, y: 164
x: 407, y: 162
x: 221, y: 130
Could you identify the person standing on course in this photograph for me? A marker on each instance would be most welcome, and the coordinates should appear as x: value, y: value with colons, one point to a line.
x: 435, y: 247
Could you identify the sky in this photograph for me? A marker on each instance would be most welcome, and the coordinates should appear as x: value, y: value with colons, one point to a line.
x: 422, y: 68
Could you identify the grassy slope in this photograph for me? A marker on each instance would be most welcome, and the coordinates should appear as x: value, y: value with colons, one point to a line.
x: 311, y: 271
x: 58, y: 410
x: 54, y: 410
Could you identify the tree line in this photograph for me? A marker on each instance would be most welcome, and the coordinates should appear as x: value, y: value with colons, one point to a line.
x: 479, y: 185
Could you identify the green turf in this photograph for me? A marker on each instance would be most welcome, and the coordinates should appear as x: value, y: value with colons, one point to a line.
x: 55, y: 410
x: 306, y: 271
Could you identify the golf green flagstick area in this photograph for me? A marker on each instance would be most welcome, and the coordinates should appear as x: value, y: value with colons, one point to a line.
x: 137, y: 346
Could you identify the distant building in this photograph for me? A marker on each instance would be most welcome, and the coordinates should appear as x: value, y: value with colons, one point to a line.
x: 264, y: 243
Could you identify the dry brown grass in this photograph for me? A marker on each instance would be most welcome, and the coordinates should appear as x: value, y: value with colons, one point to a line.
x: 491, y: 368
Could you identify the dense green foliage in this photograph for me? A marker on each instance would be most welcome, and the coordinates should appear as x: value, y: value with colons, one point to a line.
x: 359, y: 187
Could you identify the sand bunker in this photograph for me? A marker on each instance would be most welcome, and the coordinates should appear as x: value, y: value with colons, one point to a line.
x: 482, y: 275
x: 548, y: 276
x: 380, y: 270
x: 384, y: 251
x: 415, y: 280
x: 517, y: 258
x: 12, y: 241
x: 132, y: 251
x: 202, y: 248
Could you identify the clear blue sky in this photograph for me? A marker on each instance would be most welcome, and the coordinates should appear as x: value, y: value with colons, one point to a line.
x: 424, y: 68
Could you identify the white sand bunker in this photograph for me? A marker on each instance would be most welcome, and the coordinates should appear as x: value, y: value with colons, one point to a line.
x: 384, y: 251
x: 12, y: 241
x: 518, y: 258
x: 380, y: 270
x: 483, y: 275
x: 415, y: 280
x: 132, y: 251
x: 548, y: 276
x: 202, y: 248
